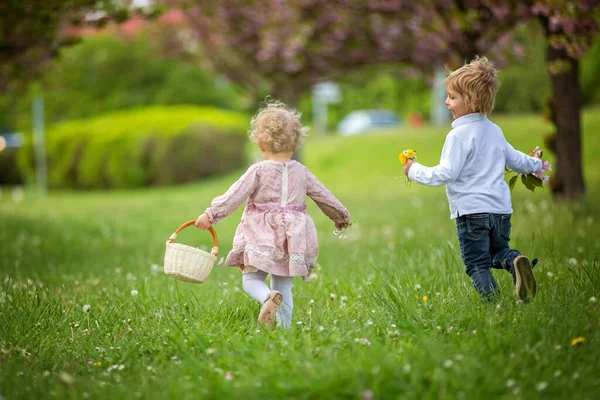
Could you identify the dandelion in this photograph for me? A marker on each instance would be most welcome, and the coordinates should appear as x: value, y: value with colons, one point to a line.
x: 211, y: 351
x: 408, y: 154
x: 577, y: 340
x: 134, y: 292
x: 66, y: 378
x: 425, y: 298
x: 367, y: 395
x: 87, y: 308
x: 541, y: 386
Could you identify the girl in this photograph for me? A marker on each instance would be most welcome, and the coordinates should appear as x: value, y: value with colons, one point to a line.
x: 276, y: 235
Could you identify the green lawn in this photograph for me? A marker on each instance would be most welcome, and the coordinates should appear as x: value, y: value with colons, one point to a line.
x: 362, y: 327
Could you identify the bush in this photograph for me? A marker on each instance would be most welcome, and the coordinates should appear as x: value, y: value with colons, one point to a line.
x: 149, y: 146
x: 9, y: 173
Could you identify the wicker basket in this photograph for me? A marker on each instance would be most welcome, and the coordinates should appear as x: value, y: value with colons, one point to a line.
x: 190, y: 264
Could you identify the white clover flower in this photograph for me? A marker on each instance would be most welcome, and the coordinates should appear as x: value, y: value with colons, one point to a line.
x: 549, y: 274
x: 406, y: 368
x: 448, y: 363
x: 557, y: 373
x: 417, y: 287
x: 593, y: 300
x: 572, y: 261
x: 321, y: 328
x: 134, y: 292
x: 87, y: 308
x: 332, y: 296
x: 541, y: 386
x: 510, y: 383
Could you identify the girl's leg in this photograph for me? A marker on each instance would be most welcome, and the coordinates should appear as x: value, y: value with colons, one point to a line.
x: 254, y: 284
x: 283, y: 284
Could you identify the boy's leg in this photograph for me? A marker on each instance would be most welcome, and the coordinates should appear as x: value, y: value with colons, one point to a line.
x: 473, y: 236
x: 503, y: 256
x: 283, y: 284
x: 510, y: 259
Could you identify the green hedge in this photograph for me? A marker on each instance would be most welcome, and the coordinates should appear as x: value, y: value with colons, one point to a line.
x: 148, y: 146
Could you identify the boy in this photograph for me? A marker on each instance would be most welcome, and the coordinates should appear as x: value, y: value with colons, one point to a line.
x: 472, y: 167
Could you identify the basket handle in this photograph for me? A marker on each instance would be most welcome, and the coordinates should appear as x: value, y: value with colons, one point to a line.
x: 215, y: 249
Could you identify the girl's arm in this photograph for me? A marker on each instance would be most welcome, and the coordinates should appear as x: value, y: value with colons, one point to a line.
x: 521, y: 162
x: 326, y: 201
x: 239, y: 192
x: 451, y: 163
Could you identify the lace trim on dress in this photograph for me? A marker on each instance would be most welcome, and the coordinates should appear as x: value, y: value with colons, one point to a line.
x: 296, y: 258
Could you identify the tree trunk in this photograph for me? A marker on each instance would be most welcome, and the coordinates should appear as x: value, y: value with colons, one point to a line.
x: 567, y: 183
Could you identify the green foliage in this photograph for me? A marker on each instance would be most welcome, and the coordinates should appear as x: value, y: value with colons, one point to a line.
x: 105, y: 73
x: 9, y: 173
x: 148, y: 146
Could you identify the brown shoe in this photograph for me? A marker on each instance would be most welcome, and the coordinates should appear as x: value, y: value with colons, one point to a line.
x: 525, y: 282
x: 269, y: 308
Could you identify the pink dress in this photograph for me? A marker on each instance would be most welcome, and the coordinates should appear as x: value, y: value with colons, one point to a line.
x: 276, y: 234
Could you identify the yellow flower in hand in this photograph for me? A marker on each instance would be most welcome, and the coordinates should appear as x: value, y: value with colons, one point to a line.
x: 407, y: 155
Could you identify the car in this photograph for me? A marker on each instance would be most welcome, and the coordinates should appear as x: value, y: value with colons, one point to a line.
x: 365, y: 120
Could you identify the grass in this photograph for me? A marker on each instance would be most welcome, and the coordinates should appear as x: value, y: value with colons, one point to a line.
x: 362, y: 327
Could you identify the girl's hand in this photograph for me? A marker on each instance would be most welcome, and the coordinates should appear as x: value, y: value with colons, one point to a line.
x: 203, y: 222
x: 407, y: 165
x: 339, y: 227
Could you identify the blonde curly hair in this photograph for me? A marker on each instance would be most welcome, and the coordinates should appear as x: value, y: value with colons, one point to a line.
x: 277, y: 127
x: 477, y: 82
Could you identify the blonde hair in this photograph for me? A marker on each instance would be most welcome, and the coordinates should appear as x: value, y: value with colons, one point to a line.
x: 277, y: 127
x: 477, y: 82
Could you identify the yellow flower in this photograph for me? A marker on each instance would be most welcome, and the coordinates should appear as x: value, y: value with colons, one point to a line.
x: 577, y: 340
x: 402, y: 158
x: 407, y: 155
x: 425, y: 298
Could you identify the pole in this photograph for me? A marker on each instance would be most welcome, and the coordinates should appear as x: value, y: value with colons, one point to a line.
x: 40, y: 145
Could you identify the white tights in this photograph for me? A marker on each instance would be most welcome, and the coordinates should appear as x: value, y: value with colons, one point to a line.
x: 255, y: 286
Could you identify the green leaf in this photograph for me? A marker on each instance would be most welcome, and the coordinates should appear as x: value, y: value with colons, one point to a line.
x: 527, y: 182
x: 512, y: 182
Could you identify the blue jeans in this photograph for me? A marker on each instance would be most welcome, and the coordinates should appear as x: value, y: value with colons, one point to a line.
x: 483, y: 240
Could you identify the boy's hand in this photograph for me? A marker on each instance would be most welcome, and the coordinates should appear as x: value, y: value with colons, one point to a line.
x: 407, y: 165
x: 203, y: 222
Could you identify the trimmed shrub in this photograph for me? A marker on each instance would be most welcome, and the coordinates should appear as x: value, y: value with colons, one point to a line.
x: 149, y: 146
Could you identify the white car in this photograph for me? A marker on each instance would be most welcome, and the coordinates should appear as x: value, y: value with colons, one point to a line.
x: 364, y: 120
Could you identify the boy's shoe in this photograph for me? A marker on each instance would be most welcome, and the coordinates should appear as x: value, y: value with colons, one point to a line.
x: 269, y: 308
x: 525, y: 286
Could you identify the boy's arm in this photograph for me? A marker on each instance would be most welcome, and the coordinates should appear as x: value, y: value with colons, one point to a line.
x: 226, y: 204
x: 451, y: 163
x: 521, y: 162
x: 326, y: 201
